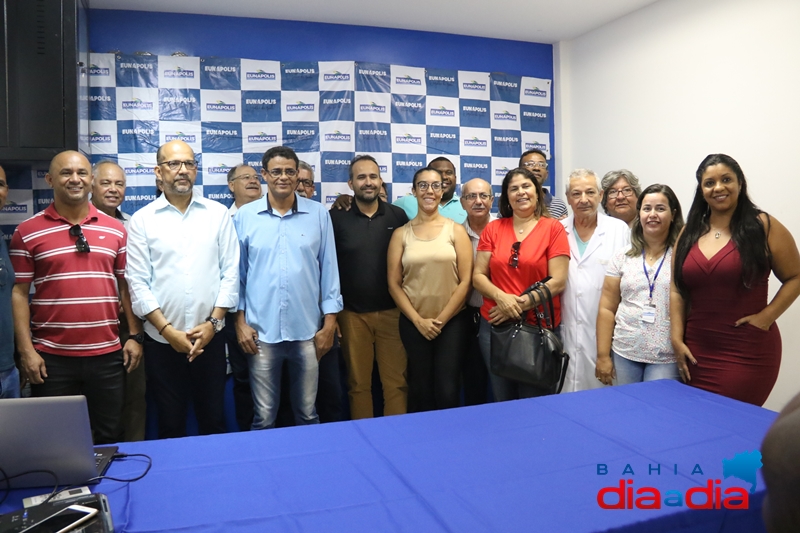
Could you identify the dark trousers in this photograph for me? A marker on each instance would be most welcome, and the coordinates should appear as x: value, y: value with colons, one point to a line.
x: 242, y: 396
x: 173, y: 380
x: 101, y: 378
x: 434, y: 367
x: 474, y: 376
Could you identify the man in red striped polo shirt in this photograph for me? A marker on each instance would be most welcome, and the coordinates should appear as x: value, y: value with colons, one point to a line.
x: 68, y: 337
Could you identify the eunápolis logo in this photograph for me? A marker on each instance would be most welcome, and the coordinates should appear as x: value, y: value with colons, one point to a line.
x: 372, y: 107
x: 262, y: 137
x: 300, y: 106
x: 180, y: 136
x: 137, y: 104
x: 534, y: 114
x: 407, y: 80
x: 138, y: 131
x: 373, y: 133
x: 178, y: 72
x: 94, y: 70
x: 219, y: 105
x: 476, y: 142
x: 12, y: 207
x: 336, y: 76
x: 535, y: 91
x: 475, y: 110
x: 411, y: 105
x: 96, y: 137
x: 442, y: 111
x: 407, y: 139
x: 338, y: 136
x: 222, y: 169
x: 138, y: 170
x: 501, y: 172
x: 222, y: 133
x: 383, y: 168
x: 708, y: 496
x: 535, y: 146
x: 259, y: 75
x: 473, y: 86
x: 505, y: 115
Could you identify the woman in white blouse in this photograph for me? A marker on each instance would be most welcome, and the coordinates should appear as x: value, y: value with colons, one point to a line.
x: 633, y: 329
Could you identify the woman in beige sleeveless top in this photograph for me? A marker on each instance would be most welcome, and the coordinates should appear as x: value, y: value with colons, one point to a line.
x: 430, y: 272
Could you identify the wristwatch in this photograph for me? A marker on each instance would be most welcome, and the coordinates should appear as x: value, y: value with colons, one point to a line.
x: 138, y: 337
x: 217, y: 323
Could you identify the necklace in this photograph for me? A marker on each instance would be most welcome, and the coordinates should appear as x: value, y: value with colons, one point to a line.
x: 653, y: 256
x: 716, y: 235
x: 524, y: 225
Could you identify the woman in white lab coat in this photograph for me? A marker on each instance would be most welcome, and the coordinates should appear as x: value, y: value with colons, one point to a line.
x: 593, y: 239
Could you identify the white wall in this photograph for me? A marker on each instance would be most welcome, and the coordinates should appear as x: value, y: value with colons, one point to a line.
x: 659, y: 89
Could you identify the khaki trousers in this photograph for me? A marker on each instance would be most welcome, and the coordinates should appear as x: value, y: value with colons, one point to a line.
x: 367, y: 337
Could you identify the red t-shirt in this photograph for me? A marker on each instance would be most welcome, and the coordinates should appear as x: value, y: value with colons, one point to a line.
x: 547, y: 240
x: 75, y: 307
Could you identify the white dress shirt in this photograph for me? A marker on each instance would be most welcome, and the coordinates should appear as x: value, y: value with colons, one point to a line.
x: 184, y: 263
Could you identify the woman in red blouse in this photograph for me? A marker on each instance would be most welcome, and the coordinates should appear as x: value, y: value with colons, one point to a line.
x: 523, y: 247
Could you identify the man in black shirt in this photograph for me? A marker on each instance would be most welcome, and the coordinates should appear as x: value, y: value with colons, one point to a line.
x: 369, y: 321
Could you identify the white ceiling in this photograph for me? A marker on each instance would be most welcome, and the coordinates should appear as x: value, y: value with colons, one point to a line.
x: 541, y: 21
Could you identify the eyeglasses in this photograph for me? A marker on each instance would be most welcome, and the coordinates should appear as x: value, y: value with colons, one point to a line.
x: 81, y: 245
x: 474, y: 196
x: 247, y: 177
x: 305, y: 183
x: 535, y: 164
x: 435, y: 186
x: 190, y: 164
x: 613, y: 193
x: 513, y: 261
x: 278, y: 172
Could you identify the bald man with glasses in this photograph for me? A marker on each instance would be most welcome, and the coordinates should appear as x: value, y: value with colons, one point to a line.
x: 183, y: 273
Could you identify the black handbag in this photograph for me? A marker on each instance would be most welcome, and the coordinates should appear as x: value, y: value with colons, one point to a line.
x: 531, y: 354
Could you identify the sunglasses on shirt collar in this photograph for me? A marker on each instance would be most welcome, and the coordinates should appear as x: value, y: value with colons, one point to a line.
x: 81, y: 245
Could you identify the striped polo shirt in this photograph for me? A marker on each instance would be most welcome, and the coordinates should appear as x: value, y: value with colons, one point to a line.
x: 75, y: 306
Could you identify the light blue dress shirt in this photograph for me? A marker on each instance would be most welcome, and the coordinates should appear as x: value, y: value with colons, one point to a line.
x: 452, y: 209
x: 288, y: 273
x: 184, y: 263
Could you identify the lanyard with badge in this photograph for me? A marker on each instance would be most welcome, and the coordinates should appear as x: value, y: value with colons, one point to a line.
x: 649, y: 310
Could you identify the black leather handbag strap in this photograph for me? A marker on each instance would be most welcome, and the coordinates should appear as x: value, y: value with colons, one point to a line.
x: 546, y: 316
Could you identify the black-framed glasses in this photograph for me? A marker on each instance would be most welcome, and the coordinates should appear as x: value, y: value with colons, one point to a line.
x: 513, y: 261
x: 174, y: 165
x: 435, y: 186
x: 81, y: 245
x: 535, y: 164
x: 305, y: 183
x: 278, y: 172
x: 625, y: 192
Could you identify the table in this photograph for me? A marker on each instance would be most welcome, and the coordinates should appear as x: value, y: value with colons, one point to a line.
x: 527, y: 465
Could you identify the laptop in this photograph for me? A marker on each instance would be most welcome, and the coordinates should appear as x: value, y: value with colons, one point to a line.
x: 49, y: 434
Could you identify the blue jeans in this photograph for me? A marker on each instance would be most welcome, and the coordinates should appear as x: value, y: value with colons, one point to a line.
x: 265, y: 381
x: 634, y: 372
x: 9, y: 383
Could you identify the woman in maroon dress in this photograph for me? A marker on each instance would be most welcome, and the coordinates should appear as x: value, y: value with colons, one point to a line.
x: 721, y: 321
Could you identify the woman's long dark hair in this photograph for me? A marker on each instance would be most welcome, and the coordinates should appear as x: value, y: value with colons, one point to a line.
x: 747, y: 230
x: 637, y: 232
x: 505, y: 206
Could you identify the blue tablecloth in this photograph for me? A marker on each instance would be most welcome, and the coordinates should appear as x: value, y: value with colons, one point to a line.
x: 528, y: 465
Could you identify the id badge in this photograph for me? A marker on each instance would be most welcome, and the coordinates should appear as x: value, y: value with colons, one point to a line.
x: 649, y: 313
